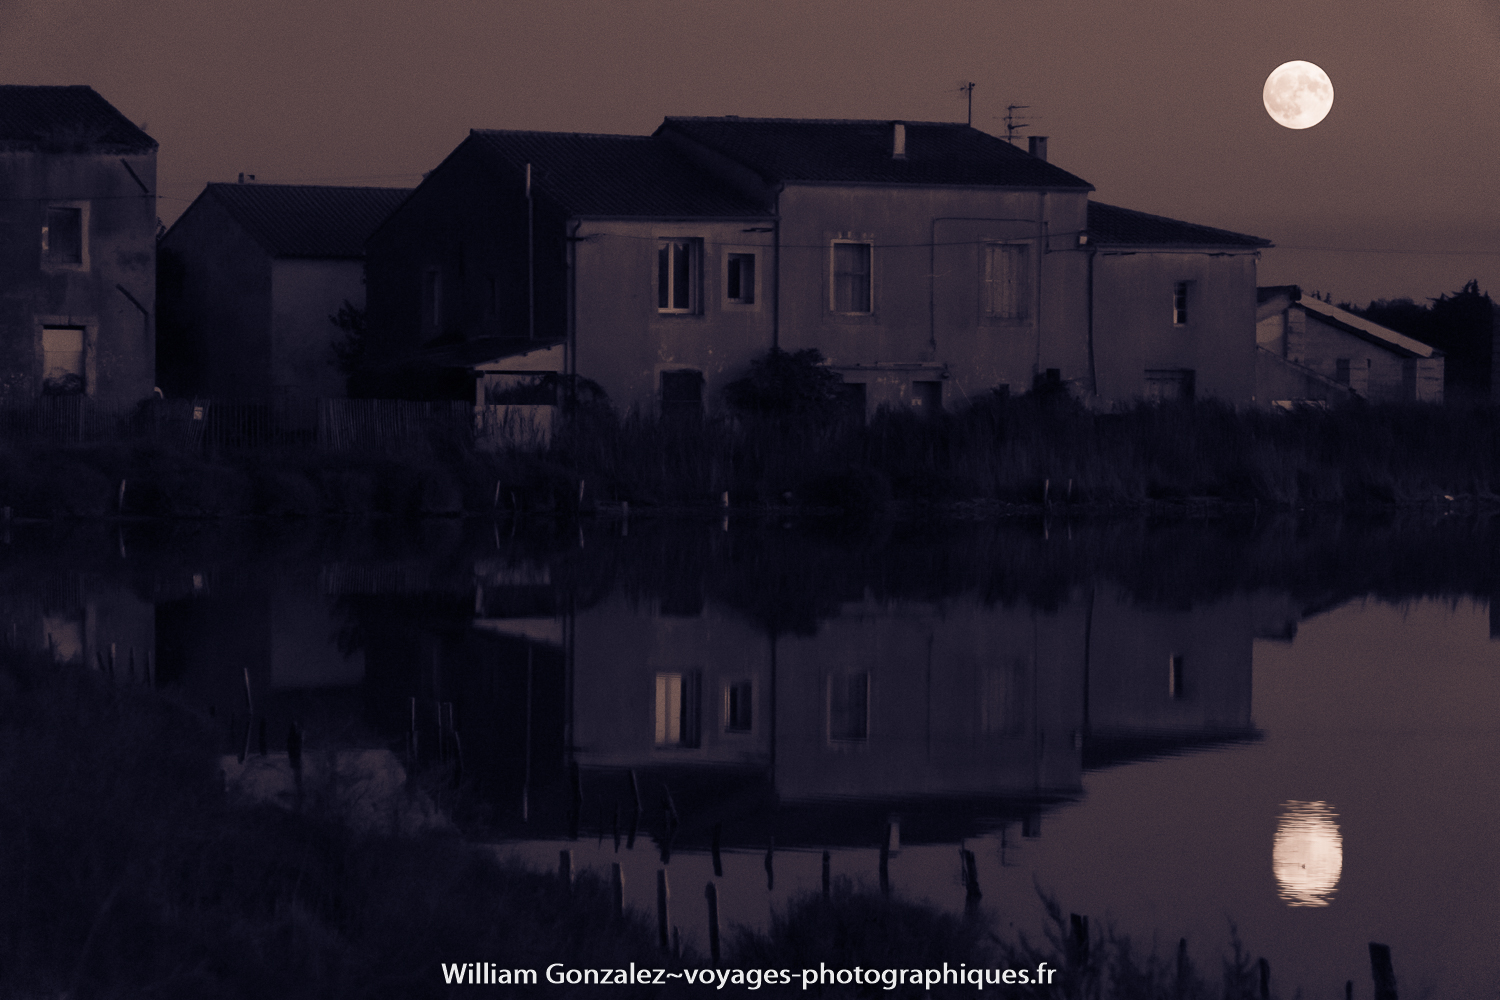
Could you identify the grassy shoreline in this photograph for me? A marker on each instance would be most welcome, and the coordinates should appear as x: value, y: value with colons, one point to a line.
x: 997, y: 457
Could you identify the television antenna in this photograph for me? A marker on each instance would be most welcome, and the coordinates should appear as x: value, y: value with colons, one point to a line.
x: 1013, y: 122
x: 967, y: 88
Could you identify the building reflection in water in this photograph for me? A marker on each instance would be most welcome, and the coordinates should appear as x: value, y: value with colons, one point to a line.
x: 1308, y: 855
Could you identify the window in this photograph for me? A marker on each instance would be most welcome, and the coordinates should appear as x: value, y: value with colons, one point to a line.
x: 677, y: 709
x: 682, y: 394
x: 432, y: 306
x: 677, y: 276
x: 1180, y: 303
x: 851, y: 277
x: 63, y: 235
x: 1006, y: 289
x: 927, y: 396
x: 62, y: 361
x: 739, y: 280
x: 1341, y: 371
x: 1174, y: 676
x: 849, y: 707
x: 737, y: 706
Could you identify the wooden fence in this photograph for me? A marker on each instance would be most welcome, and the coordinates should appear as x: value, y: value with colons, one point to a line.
x: 324, y: 424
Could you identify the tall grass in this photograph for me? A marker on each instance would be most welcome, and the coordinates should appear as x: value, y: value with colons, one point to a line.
x: 1028, y: 449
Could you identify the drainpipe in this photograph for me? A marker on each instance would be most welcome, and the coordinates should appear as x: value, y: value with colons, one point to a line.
x: 570, y: 364
x: 530, y: 262
x: 1041, y: 211
x: 1093, y: 372
x: 776, y: 271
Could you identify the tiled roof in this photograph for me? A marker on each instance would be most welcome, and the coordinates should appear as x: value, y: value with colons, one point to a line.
x: 615, y: 175
x: 299, y: 220
x: 860, y: 151
x: 1109, y: 224
x: 66, y: 120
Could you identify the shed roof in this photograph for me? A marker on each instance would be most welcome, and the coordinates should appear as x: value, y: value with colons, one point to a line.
x: 860, y: 151
x: 1367, y: 330
x: 1111, y: 225
x: 66, y: 120
x: 615, y: 175
x: 301, y: 220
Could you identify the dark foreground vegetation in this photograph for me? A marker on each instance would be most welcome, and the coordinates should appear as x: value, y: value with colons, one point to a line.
x: 129, y: 872
x: 1033, y: 450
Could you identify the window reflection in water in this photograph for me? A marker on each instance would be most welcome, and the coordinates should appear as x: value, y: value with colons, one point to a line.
x: 1308, y: 855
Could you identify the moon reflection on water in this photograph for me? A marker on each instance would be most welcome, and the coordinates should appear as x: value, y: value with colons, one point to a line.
x: 1308, y: 855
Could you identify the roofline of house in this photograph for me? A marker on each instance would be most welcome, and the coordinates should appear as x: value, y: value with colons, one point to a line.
x: 1394, y: 342
x: 908, y: 185
x: 768, y: 217
x: 1217, y: 248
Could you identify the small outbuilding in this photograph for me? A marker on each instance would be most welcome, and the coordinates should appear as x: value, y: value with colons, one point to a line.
x: 249, y: 278
x: 1312, y: 351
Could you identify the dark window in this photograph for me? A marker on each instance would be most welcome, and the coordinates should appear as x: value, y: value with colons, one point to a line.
x: 677, y: 276
x: 62, y: 236
x: 1169, y: 384
x: 851, y: 278
x: 737, y: 706
x: 682, y: 394
x: 1180, y: 303
x: 851, y: 399
x: 849, y: 706
x: 739, y: 283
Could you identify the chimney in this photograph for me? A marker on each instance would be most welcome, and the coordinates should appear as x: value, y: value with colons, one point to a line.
x: 898, y: 141
x: 1038, y: 146
x: 247, y: 178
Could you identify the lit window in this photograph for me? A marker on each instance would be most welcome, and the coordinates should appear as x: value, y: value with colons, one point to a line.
x: 677, y: 276
x: 677, y: 709
x: 62, y: 361
x: 849, y: 707
x: 1007, y: 284
x: 1180, y: 303
x: 739, y: 282
x: 851, y: 277
x: 737, y: 706
x: 62, y: 235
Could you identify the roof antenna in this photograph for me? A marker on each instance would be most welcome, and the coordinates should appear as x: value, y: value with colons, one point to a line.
x: 968, y: 89
x: 1014, y: 124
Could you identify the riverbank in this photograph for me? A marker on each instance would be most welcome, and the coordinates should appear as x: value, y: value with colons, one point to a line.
x: 995, y: 458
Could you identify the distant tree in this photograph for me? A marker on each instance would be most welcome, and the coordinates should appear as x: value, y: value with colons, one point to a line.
x: 1461, y: 325
x: 786, y: 384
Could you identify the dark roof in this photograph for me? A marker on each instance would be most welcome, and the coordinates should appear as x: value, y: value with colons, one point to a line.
x: 66, y: 120
x: 615, y: 175
x: 1109, y: 224
x: 859, y: 151
x: 299, y: 220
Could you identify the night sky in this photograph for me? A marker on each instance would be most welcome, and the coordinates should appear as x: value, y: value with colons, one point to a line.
x: 1158, y: 105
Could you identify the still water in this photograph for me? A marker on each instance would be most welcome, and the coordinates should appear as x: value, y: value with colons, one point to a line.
x: 1288, y: 728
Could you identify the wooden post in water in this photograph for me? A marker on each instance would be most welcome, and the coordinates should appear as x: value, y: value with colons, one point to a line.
x: 972, y: 895
x: 662, y: 899
x: 770, y: 865
x: 1265, y: 979
x: 635, y: 818
x: 1382, y: 971
x: 712, y: 893
x: 1078, y: 940
x: 617, y: 891
x: 1182, y: 968
x: 1348, y: 989
x: 827, y: 880
x: 249, y: 701
x: 565, y: 869
x: 718, y: 862
x: 261, y: 734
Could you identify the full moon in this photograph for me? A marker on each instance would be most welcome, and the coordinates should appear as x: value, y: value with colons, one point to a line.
x: 1298, y: 94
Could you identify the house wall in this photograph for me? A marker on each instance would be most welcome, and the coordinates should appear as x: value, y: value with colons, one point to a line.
x: 928, y: 322
x: 120, y: 252
x: 1134, y: 330
x: 467, y: 224
x: 1378, y: 374
x: 625, y: 343
x: 304, y: 295
x: 216, y: 309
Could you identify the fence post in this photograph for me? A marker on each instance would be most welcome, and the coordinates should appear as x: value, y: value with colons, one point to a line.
x: 770, y: 865
x: 662, y: 899
x: 972, y: 895
x: 712, y: 893
x: 827, y: 880
x: 565, y: 869
x: 617, y: 891
x: 1382, y: 971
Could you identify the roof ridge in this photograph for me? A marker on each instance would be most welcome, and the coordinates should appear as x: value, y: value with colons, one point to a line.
x: 813, y: 121
x: 571, y: 135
